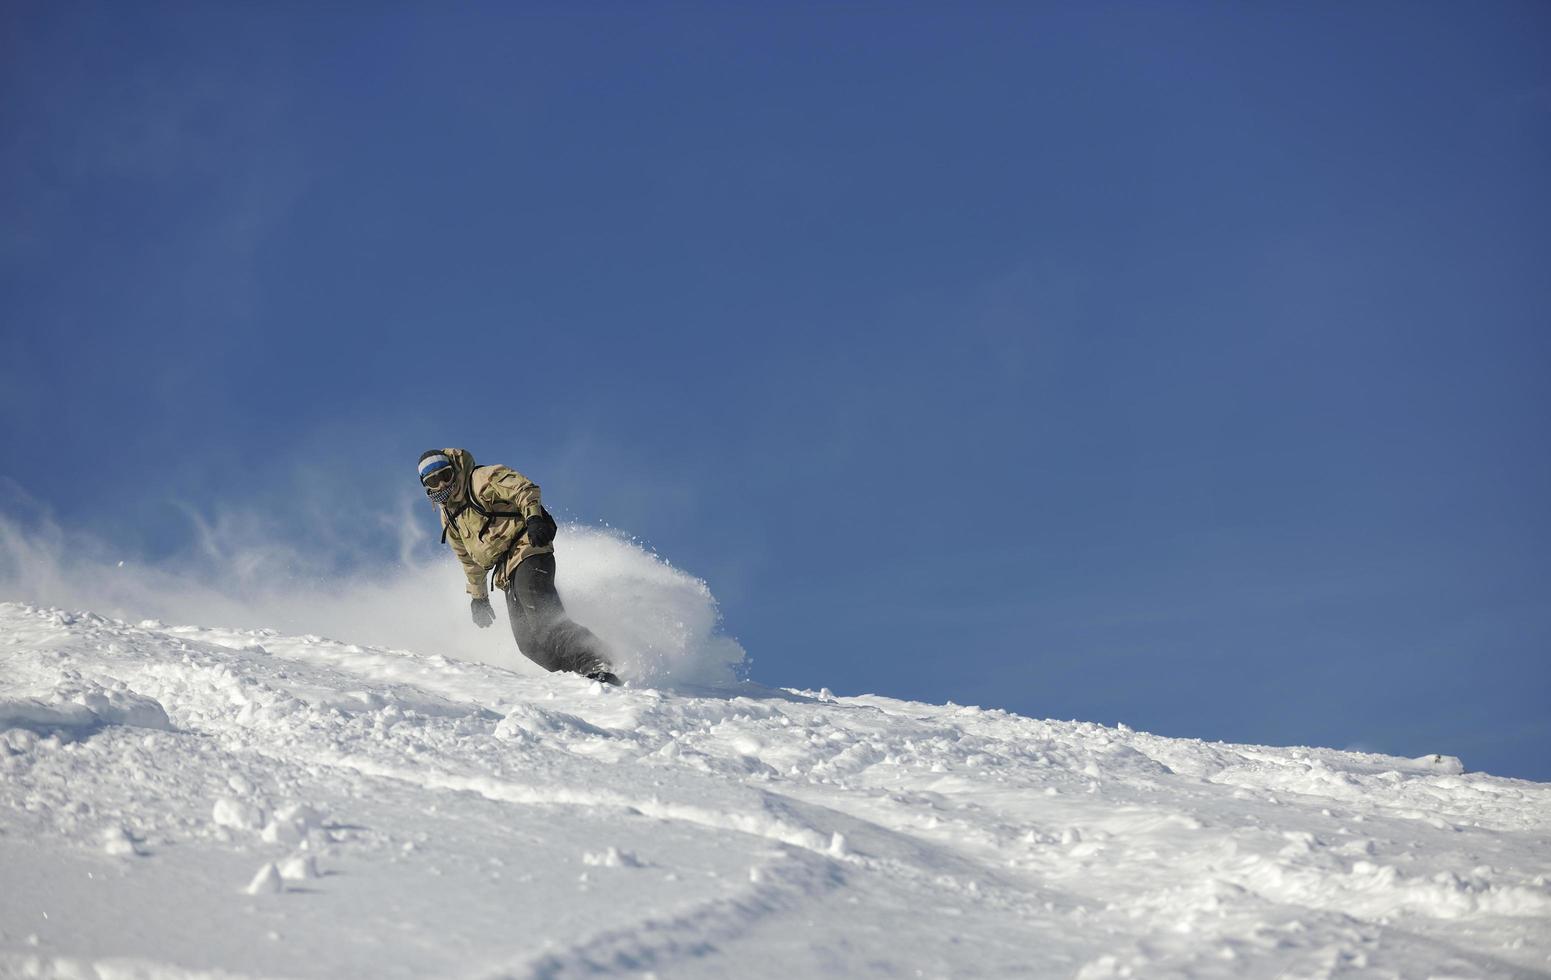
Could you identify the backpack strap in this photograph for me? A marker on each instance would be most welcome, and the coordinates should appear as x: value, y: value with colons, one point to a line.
x: 448, y: 515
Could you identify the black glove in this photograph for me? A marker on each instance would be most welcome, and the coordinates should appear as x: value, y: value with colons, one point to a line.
x: 482, y: 613
x: 541, y: 529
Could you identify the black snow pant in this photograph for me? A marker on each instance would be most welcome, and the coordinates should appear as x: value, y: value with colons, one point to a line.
x: 544, y: 633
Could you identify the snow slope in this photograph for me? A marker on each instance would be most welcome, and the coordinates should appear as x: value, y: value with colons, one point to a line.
x: 184, y: 801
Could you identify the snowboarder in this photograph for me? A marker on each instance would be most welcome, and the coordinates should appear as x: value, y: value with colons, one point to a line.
x: 492, y: 517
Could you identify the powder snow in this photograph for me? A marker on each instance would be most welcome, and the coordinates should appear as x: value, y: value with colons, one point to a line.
x: 180, y: 801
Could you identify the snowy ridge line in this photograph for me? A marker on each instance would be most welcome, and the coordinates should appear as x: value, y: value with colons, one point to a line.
x: 832, y: 844
x: 504, y: 791
x: 314, y: 808
x: 1310, y: 772
x: 903, y: 856
x: 658, y: 941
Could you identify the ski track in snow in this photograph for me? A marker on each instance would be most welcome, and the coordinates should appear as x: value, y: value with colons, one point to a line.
x: 195, y: 802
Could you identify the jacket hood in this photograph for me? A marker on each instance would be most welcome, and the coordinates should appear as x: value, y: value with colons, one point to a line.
x: 462, y: 461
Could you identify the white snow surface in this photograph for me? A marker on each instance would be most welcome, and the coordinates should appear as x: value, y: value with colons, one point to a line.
x: 180, y: 801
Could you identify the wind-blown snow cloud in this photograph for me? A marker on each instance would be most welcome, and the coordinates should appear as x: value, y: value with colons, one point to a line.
x: 661, y: 622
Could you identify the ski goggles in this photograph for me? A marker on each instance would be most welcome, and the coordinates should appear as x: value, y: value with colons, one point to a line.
x: 437, y: 479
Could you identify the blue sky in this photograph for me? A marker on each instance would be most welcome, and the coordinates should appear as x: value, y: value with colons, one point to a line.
x: 1183, y: 365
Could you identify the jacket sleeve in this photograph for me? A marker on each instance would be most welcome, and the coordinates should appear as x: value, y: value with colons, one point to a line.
x: 510, y: 490
x: 471, y: 569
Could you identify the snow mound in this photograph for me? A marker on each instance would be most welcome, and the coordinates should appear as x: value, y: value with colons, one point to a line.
x: 277, y: 805
x: 79, y: 706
